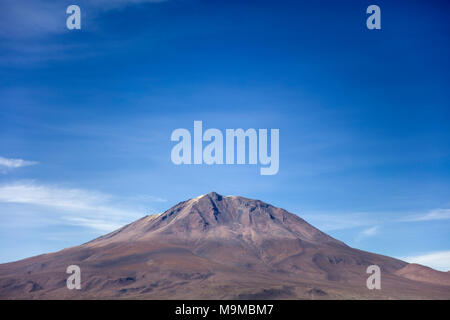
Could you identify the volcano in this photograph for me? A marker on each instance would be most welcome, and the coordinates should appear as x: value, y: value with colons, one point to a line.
x: 219, y: 247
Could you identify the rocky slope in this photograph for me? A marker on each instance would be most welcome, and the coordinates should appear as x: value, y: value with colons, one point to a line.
x: 217, y: 247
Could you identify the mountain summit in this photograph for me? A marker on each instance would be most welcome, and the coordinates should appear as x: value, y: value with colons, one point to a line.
x: 222, y: 218
x: 222, y: 247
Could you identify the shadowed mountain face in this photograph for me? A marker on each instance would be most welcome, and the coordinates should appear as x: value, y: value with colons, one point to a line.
x: 217, y: 247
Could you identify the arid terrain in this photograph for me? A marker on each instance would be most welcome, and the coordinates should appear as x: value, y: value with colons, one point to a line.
x: 219, y: 247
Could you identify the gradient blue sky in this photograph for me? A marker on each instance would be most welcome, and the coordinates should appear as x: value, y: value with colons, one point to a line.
x: 363, y: 116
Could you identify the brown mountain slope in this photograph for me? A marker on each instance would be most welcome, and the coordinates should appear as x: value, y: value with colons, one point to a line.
x: 215, y: 247
x: 418, y: 272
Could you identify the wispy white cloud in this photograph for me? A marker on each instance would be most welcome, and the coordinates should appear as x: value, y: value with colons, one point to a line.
x: 153, y: 198
x: 28, y: 18
x: 28, y: 30
x: 52, y: 196
x: 71, y: 206
x: 21, y: 18
x: 369, y: 232
x: 436, y: 214
x: 98, y: 224
x: 15, y: 163
x: 331, y: 222
x: 439, y: 260
x: 366, y: 233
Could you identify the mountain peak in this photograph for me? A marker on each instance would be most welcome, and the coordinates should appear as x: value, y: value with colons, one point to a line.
x: 212, y: 195
x: 223, y: 218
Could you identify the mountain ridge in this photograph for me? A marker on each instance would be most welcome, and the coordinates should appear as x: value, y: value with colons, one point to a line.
x: 222, y: 247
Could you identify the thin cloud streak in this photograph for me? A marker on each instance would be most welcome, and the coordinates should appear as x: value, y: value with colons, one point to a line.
x: 15, y: 163
x: 370, y: 232
x: 332, y: 222
x: 27, y: 19
x: 436, y: 214
x: 71, y: 206
x: 366, y: 233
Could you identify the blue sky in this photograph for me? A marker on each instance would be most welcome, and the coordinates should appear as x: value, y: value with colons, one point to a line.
x: 86, y: 116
